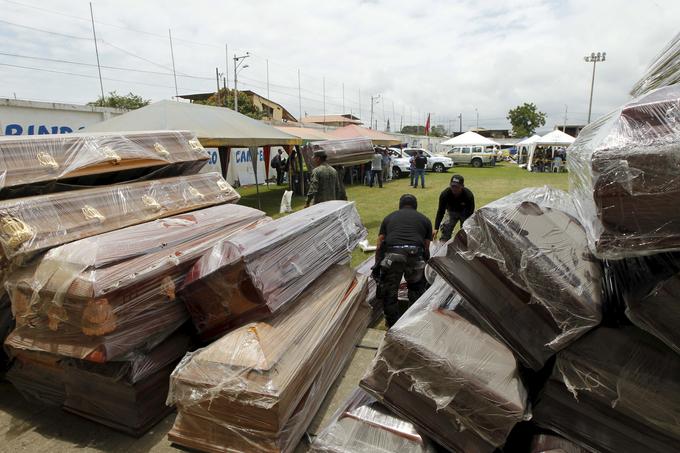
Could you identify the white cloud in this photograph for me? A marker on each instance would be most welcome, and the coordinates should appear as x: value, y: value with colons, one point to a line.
x: 434, y: 56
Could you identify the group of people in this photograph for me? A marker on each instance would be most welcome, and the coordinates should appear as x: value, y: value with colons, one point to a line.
x: 544, y: 160
x: 381, y: 167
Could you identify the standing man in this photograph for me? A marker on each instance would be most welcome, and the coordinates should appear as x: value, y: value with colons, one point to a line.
x: 279, y: 164
x: 385, y: 164
x: 459, y: 201
x: 420, y: 162
x: 324, y: 184
x: 412, y: 169
x: 402, y: 250
x: 376, y: 167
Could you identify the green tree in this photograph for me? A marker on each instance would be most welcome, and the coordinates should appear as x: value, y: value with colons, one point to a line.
x: 225, y: 98
x: 525, y: 119
x: 413, y: 130
x: 438, y: 131
x: 129, y: 101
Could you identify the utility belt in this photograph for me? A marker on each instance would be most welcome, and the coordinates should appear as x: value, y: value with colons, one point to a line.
x: 406, y: 250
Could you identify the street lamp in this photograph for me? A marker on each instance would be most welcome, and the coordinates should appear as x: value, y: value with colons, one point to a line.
x: 593, y: 58
x: 237, y: 63
x: 477, y: 114
x: 374, y: 99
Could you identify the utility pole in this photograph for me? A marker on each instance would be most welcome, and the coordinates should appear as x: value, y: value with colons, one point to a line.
x: 96, y: 50
x: 174, y: 73
x: 324, y: 101
x: 564, y: 129
x: 383, y: 106
x: 477, y: 113
x: 373, y: 99
x: 217, y: 93
x: 394, y: 115
x: 299, y: 96
x: 593, y: 58
x: 460, y: 123
x: 268, y: 79
x: 343, y: 98
x: 226, y: 63
x: 237, y: 62
x: 360, y: 104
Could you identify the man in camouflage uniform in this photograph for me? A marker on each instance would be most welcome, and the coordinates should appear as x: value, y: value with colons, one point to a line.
x: 324, y: 184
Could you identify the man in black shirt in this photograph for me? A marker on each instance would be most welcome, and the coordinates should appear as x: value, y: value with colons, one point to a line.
x: 403, y: 248
x: 419, y: 162
x: 459, y: 201
x: 279, y: 164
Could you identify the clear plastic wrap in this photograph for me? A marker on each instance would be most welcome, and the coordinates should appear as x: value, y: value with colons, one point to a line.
x: 30, y: 225
x: 649, y: 289
x: 128, y: 396
x: 624, y: 172
x: 257, y: 388
x: 352, y: 151
x: 32, y: 160
x: 255, y: 273
x: 104, y: 296
x: 664, y: 70
x: 366, y: 269
x: 362, y: 425
x: 548, y: 443
x: 455, y: 382
x: 6, y: 326
x: 614, y: 390
x: 523, y: 260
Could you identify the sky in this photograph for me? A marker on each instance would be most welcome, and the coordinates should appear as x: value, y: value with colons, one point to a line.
x: 448, y: 58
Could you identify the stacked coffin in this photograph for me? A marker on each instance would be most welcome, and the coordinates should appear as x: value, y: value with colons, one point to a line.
x: 363, y: 425
x: 437, y: 369
x: 110, y: 301
x: 348, y: 152
x: 255, y: 274
x: 258, y: 387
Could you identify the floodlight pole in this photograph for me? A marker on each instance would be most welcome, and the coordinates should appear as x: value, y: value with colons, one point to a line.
x: 237, y: 63
x: 593, y: 58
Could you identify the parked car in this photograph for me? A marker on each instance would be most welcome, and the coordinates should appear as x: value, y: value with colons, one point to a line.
x: 477, y: 156
x: 438, y: 164
x: 401, y: 165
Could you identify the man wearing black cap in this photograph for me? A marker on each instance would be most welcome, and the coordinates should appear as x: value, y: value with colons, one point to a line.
x: 402, y: 250
x: 459, y: 201
x: 324, y: 184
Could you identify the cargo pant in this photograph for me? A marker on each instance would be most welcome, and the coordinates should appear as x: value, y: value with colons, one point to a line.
x: 450, y: 223
x: 393, y: 267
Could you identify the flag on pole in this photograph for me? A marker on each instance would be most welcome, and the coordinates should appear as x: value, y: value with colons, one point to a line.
x: 427, y: 125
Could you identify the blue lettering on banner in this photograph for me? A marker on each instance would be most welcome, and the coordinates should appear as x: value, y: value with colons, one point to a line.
x: 244, y: 156
x: 40, y: 129
x: 14, y: 129
x: 213, y: 158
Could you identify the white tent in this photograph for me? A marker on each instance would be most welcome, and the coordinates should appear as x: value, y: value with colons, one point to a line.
x: 524, y: 148
x: 552, y: 139
x: 469, y: 139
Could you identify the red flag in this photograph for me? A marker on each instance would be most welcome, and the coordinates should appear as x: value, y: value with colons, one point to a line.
x: 427, y: 125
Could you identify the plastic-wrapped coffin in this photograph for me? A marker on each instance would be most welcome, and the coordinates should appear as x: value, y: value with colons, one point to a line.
x: 255, y: 273
x: 625, y: 171
x: 523, y: 264
x: 365, y: 268
x: 29, y: 225
x: 258, y: 387
x: 128, y: 396
x: 649, y: 289
x: 362, y: 425
x: 353, y: 151
x: 38, y: 376
x: 549, y: 443
x: 106, y: 295
x: 614, y: 390
x: 6, y: 326
x: 455, y: 382
x: 31, y: 165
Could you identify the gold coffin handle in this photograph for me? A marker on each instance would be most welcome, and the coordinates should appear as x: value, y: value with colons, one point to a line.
x: 194, y: 192
x: 16, y: 231
x: 47, y: 160
x: 110, y: 154
x: 160, y: 149
x: 196, y: 145
x: 91, y: 213
x: 151, y: 202
x: 223, y: 185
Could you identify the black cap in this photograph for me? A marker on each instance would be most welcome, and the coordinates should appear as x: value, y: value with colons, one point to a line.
x: 408, y: 200
x: 457, y: 179
x: 320, y: 153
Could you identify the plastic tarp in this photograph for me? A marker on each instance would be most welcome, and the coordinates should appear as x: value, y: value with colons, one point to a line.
x: 214, y: 126
x: 624, y: 170
x: 451, y: 379
x: 664, y: 71
x: 469, y: 138
x: 523, y: 260
x: 257, y: 387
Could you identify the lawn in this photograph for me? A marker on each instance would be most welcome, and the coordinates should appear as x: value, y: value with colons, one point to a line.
x: 373, y: 204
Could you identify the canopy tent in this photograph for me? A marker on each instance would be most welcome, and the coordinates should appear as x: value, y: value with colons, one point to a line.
x: 553, y: 139
x: 306, y: 134
x: 354, y: 131
x: 524, y: 148
x: 214, y: 126
x: 469, y: 139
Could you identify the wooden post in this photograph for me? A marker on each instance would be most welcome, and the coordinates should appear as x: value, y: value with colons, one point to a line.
x: 225, y: 154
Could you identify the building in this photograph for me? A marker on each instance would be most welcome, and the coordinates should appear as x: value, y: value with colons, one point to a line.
x: 272, y: 111
x: 571, y: 129
x: 332, y: 120
x: 21, y: 117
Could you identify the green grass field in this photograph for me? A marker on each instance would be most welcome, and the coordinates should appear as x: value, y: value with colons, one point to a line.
x: 374, y: 204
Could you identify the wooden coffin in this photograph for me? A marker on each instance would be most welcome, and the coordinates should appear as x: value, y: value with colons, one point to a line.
x: 549, y: 443
x: 256, y: 273
x: 362, y: 425
x: 6, y: 326
x: 102, y: 296
x: 520, y: 262
x: 625, y: 170
x: 38, y: 376
x: 353, y: 151
x: 30, y: 165
x: 455, y: 382
x: 614, y: 390
x: 258, y: 387
x: 30, y: 225
x: 376, y: 303
x: 128, y: 396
